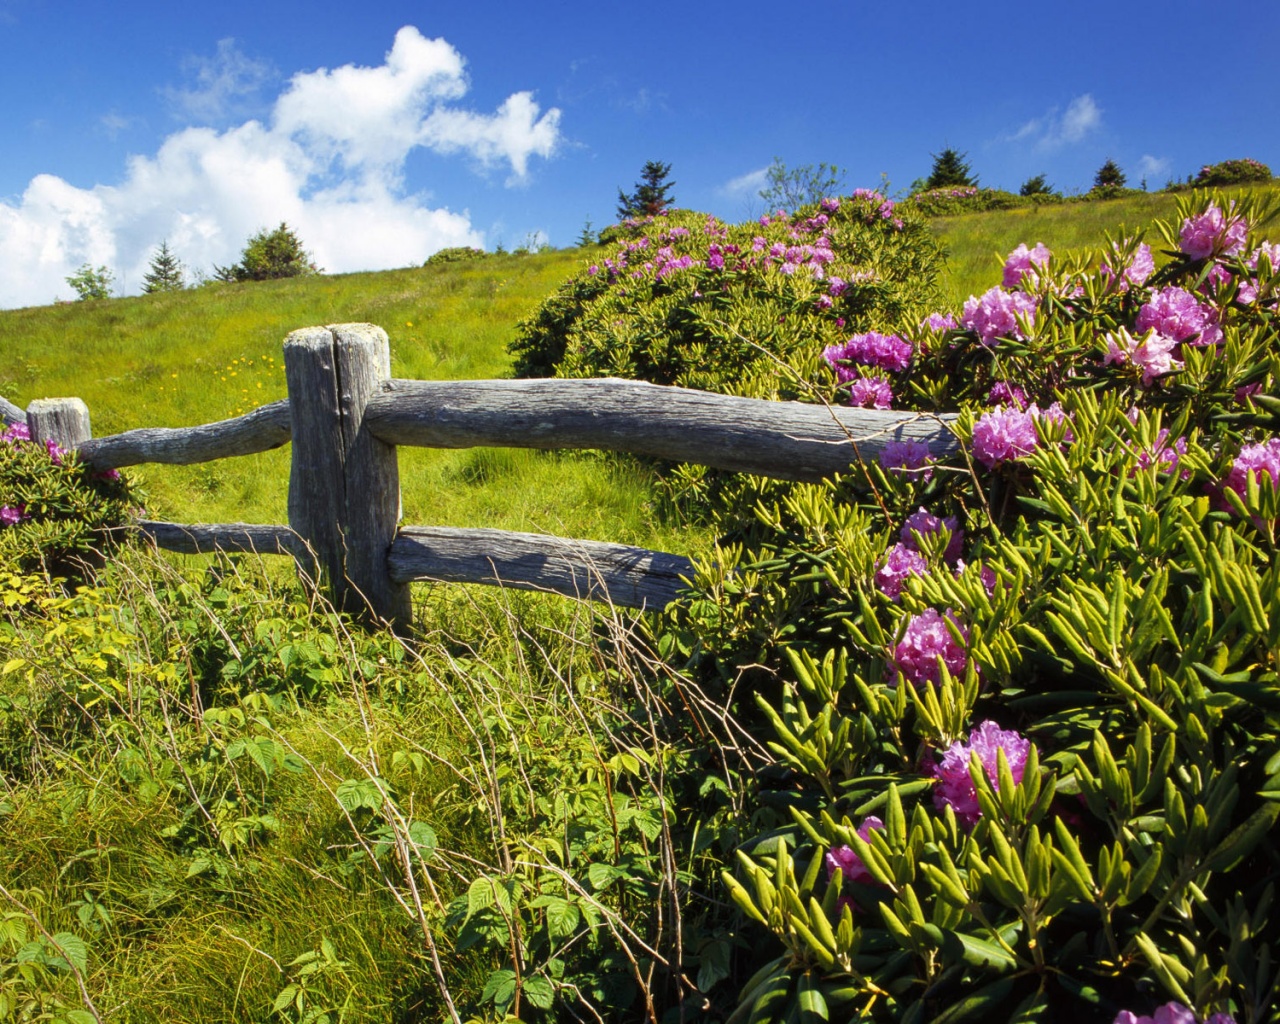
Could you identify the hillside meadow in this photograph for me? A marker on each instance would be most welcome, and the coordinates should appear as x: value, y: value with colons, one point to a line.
x: 990, y: 739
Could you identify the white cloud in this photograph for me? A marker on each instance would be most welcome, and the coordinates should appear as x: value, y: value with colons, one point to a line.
x: 748, y: 184
x: 329, y: 162
x: 226, y: 85
x: 1153, y: 166
x: 1055, y: 129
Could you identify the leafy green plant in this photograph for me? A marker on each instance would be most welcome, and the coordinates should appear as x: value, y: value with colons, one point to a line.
x: 1232, y: 172
x: 269, y: 256
x: 92, y: 282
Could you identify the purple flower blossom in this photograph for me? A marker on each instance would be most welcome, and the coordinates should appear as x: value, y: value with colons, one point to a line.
x: 1175, y: 313
x: 1053, y: 414
x: 907, y: 458
x: 12, y: 515
x: 1213, y: 232
x: 1163, y: 455
x: 849, y: 863
x: 830, y: 204
x: 887, y: 351
x: 836, y: 285
x: 1024, y: 262
x: 1152, y: 353
x: 1002, y: 435
x: 927, y: 639
x: 1255, y: 460
x: 938, y: 322
x: 995, y: 315
x: 923, y: 522
x: 1140, y: 266
x: 870, y: 393
x: 1004, y: 392
x: 955, y: 787
x: 55, y: 450
x: 16, y: 432
x: 1170, y: 1013
x: 902, y: 561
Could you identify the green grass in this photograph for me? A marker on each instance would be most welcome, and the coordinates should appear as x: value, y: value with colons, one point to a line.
x: 978, y: 243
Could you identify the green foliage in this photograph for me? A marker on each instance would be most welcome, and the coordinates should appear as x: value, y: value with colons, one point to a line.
x: 1232, y: 172
x: 269, y: 256
x: 165, y: 273
x: 790, y: 188
x: 948, y: 202
x: 92, y: 282
x: 57, y: 514
x: 950, y: 170
x: 1036, y: 185
x: 652, y: 193
x: 455, y: 254
x: 1109, y: 609
x: 1109, y: 175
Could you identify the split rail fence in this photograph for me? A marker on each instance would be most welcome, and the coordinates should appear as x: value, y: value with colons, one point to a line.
x: 345, y: 417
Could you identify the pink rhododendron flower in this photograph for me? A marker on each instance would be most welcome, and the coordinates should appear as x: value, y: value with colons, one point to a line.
x: 1023, y: 262
x: 12, y: 515
x: 849, y: 863
x: 1053, y: 414
x: 902, y: 561
x: 1245, y: 393
x: 926, y: 639
x: 16, y: 432
x: 1175, y: 313
x: 1170, y: 1013
x: 1163, y: 455
x: 1152, y: 353
x: 938, y: 322
x: 1005, y: 392
x: 907, y: 458
x: 955, y: 787
x: 830, y: 204
x: 1211, y: 233
x: 870, y: 393
x: 55, y: 450
x: 1257, y: 460
x: 923, y: 522
x: 1002, y: 435
x: 1137, y: 267
x: 887, y: 351
x: 995, y: 315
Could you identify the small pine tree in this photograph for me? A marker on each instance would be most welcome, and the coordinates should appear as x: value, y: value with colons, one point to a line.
x: 652, y: 193
x: 1109, y: 176
x: 797, y: 186
x: 1036, y: 186
x: 270, y: 255
x: 587, y: 236
x: 166, y: 273
x: 92, y: 282
x: 950, y: 171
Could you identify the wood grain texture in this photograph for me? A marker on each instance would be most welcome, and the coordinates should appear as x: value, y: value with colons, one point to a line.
x: 62, y: 420
x: 786, y: 440
x: 265, y: 428
x: 626, y: 576
x: 344, y: 496
x: 10, y: 413
x: 206, y: 538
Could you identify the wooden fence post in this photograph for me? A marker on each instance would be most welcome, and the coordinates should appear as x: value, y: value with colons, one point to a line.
x: 64, y: 421
x: 344, y: 484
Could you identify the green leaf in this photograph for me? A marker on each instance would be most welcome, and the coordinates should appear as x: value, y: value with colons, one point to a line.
x: 74, y: 949
x: 284, y: 998
x: 540, y: 992
x: 500, y: 988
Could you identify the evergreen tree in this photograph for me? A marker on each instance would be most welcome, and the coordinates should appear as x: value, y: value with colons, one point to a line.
x: 652, y: 194
x: 950, y: 171
x: 270, y: 255
x: 1109, y: 176
x: 793, y: 187
x: 587, y: 236
x: 1036, y: 186
x: 166, y: 273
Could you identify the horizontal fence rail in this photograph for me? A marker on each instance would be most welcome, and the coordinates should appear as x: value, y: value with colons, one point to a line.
x: 345, y: 417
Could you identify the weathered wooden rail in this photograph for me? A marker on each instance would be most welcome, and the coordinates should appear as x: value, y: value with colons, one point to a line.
x: 345, y: 417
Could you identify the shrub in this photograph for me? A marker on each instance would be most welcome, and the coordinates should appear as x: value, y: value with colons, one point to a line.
x: 793, y: 187
x: 92, y: 282
x: 56, y: 514
x: 1036, y: 185
x: 1025, y: 742
x: 1232, y: 172
x: 947, y: 202
x: 455, y: 254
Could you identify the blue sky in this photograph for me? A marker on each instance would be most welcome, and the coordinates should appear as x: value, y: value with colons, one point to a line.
x: 384, y: 131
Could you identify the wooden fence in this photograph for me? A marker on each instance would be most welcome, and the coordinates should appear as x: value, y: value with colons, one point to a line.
x: 345, y: 417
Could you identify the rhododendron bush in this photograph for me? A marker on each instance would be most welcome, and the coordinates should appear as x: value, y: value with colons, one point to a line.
x: 1022, y: 700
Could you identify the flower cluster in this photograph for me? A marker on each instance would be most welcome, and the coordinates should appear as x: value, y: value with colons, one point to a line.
x: 955, y: 788
x: 1004, y: 434
x: 1134, y: 269
x: 1152, y: 353
x: 1256, y: 460
x: 1005, y: 392
x: 1171, y: 1013
x: 908, y: 458
x: 1177, y: 314
x: 847, y: 861
x: 1025, y: 263
x: 927, y: 639
x: 874, y: 350
x: 996, y: 314
x: 12, y: 515
x: 1213, y: 233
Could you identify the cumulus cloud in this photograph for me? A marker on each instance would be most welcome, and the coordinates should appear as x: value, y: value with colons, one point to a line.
x: 1058, y: 128
x: 328, y: 160
x: 748, y: 184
